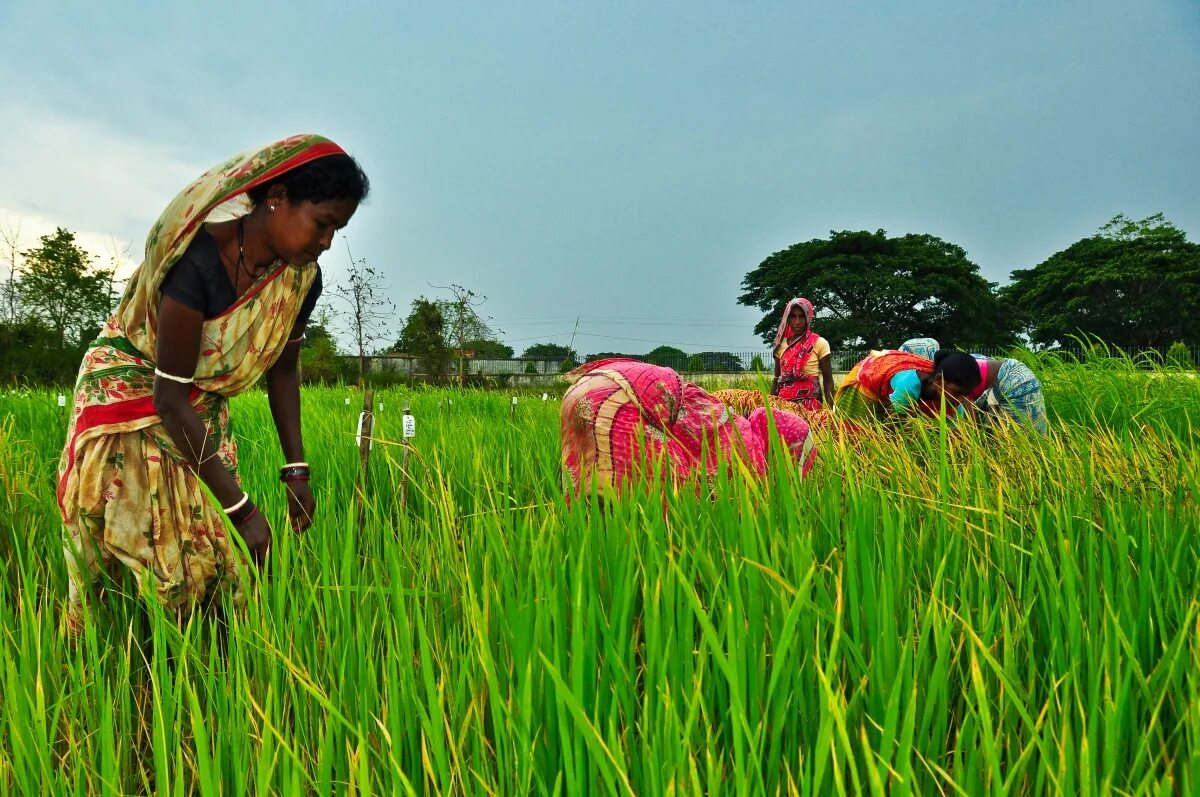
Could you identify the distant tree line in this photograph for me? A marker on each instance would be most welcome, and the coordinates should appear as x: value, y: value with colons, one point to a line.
x: 1134, y: 284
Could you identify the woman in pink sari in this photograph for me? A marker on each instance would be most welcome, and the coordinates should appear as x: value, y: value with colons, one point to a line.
x: 803, y: 371
x: 627, y: 422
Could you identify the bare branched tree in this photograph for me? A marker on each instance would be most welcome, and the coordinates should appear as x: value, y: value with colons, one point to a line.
x: 463, y: 322
x: 10, y: 240
x: 117, y: 257
x: 368, y: 313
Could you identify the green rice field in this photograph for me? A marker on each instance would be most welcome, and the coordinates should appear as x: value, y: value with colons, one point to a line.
x: 933, y: 611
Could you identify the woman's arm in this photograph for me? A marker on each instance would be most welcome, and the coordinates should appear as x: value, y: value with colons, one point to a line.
x: 176, y: 354
x: 283, y: 393
x: 827, y: 378
x: 775, y: 382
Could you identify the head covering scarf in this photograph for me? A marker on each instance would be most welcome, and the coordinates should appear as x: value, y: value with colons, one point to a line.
x: 922, y: 347
x: 781, y: 333
x: 626, y: 422
x: 123, y: 490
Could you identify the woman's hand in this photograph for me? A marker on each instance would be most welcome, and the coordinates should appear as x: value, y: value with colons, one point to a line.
x: 302, y: 506
x: 256, y: 533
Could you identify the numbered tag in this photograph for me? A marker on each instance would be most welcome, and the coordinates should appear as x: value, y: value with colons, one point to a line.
x: 62, y: 400
x: 410, y: 427
x: 514, y: 401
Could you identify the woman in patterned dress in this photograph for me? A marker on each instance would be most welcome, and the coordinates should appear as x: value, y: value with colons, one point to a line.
x: 215, y: 306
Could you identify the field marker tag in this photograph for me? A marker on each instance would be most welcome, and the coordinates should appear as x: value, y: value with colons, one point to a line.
x: 62, y: 400
x: 410, y: 427
x: 362, y: 417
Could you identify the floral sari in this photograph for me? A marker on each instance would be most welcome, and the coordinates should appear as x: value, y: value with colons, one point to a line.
x: 626, y: 422
x: 126, y: 496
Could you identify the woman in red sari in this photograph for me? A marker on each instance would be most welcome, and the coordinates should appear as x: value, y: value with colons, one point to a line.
x: 626, y: 422
x: 803, y: 368
x: 216, y: 305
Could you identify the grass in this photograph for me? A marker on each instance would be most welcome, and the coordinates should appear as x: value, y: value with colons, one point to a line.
x: 930, y: 612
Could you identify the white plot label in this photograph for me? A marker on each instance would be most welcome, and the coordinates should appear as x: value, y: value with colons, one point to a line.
x: 62, y: 400
x: 410, y: 427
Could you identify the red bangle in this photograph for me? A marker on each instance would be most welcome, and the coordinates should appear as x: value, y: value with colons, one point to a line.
x: 243, y: 515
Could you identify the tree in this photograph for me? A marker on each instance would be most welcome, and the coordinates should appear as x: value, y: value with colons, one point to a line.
x: 1134, y: 283
x: 367, y: 312
x: 10, y: 238
x: 463, y: 323
x: 877, y: 291
x: 60, y: 287
x: 424, y: 337
x: 604, y: 355
x: 720, y: 362
x: 550, y: 352
x: 668, y: 356
x: 489, y: 349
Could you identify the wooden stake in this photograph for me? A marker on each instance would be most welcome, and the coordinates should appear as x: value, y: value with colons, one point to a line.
x: 364, y: 454
x: 404, y: 459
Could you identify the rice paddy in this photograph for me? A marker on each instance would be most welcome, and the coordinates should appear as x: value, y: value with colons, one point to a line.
x: 933, y: 611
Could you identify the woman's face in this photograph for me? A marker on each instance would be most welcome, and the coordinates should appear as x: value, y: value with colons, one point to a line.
x: 936, y: 387
x: 797, y: 320
x: 300, y: 232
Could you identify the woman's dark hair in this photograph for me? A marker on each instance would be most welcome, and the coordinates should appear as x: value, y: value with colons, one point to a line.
x: 330, y: 177
x: 957, y: 367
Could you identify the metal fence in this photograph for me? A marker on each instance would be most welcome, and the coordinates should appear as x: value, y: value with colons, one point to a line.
x: 737, y: 362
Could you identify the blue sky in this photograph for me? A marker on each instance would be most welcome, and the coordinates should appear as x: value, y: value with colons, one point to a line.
x: 626, y: 163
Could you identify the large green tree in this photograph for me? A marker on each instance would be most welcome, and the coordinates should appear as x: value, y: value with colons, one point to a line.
x: 423, y: 336
x: 60, y: 287
x: 873, y: 290
x: 1133, y: 283
x: 489, y: 349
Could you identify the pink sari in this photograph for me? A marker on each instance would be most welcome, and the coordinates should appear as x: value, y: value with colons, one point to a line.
x: 626, y: 422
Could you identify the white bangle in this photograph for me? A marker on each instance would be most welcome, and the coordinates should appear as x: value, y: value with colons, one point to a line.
x: 295, y: 465
x: 238, y: 505
x: 296, y: 340
x: 180, y: 379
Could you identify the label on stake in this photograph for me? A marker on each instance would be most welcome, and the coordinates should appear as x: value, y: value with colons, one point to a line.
x: 62, y: 400
x: 362, y: 417
x: 410, y: 427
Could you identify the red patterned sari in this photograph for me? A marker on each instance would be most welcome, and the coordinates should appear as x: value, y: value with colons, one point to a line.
x: 794, y: 384
x: 125, y: 493
x: 626, y: 422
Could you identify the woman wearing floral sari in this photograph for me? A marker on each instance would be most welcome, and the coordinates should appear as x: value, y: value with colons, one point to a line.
x: 803, y: 368
x: 626, y: 422
x: 214, y: 307
x: 891, y: 383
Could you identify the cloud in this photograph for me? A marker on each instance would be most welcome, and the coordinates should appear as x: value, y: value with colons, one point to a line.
x: 100, y: 183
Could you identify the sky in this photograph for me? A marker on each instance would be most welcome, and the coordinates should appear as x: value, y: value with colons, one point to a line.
x: 607, y: 173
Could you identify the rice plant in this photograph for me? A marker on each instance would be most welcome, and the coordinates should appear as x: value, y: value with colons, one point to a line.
x: 935, y: 610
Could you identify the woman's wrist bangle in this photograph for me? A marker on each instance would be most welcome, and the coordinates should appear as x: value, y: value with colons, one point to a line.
x: 249, y: 511
x: 294, y: 473
x: 229, y: 510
